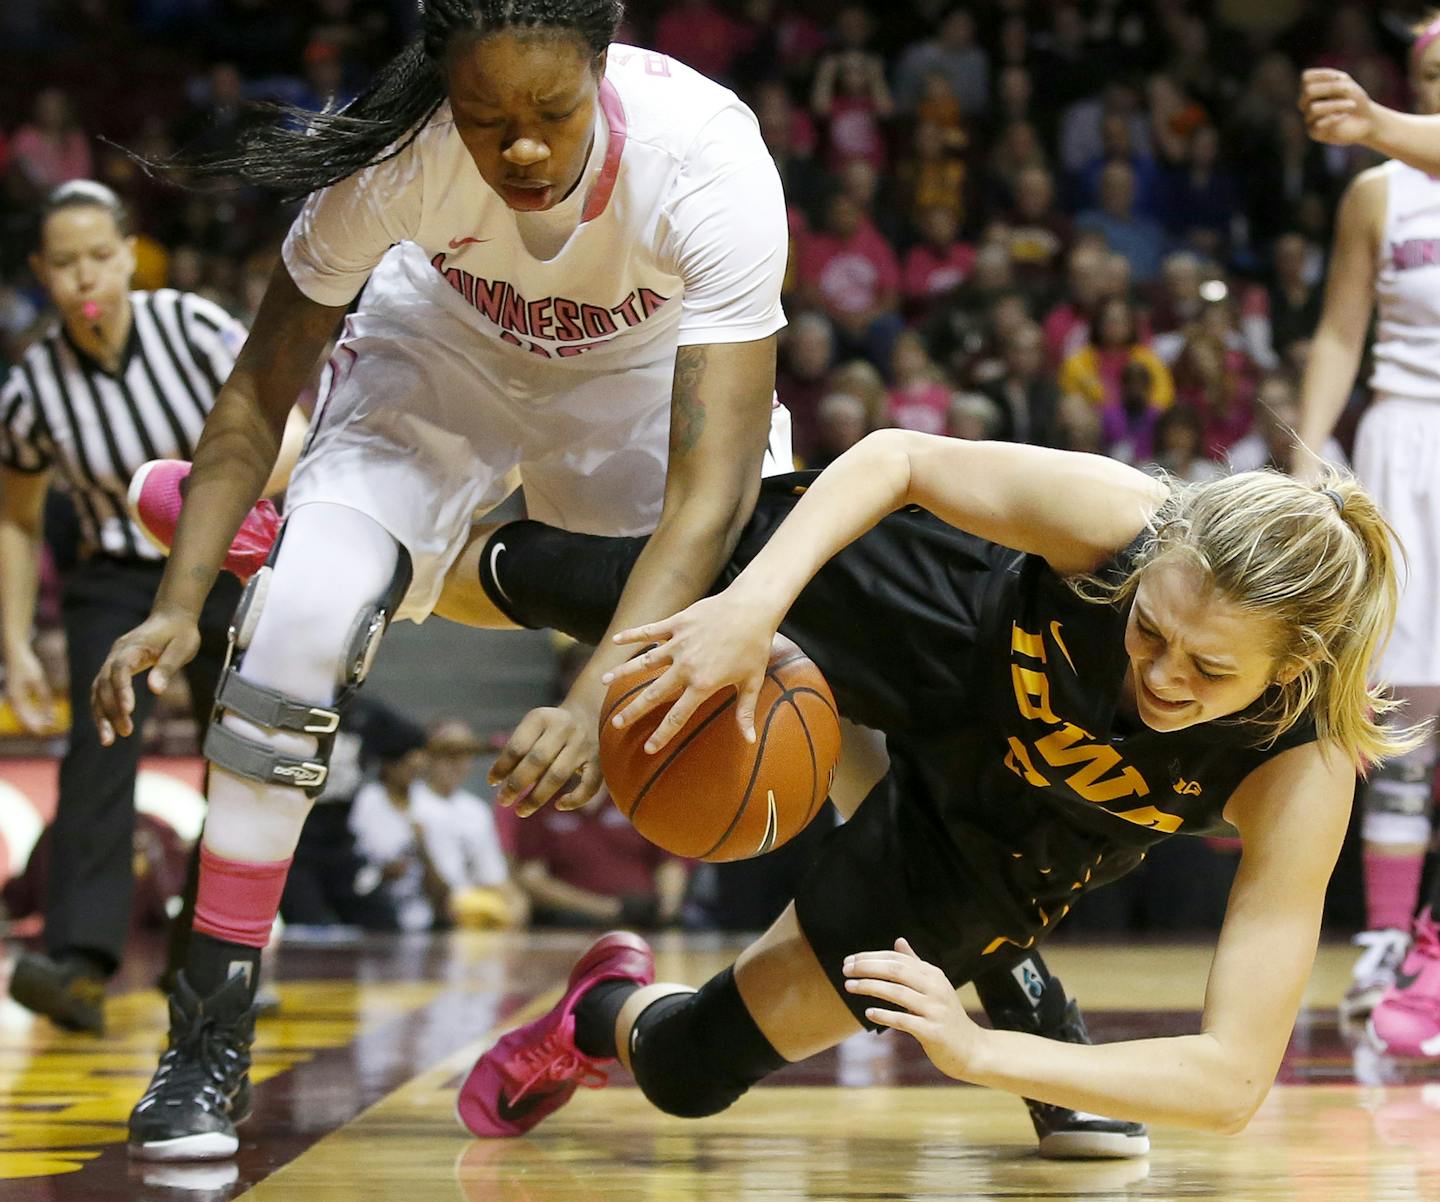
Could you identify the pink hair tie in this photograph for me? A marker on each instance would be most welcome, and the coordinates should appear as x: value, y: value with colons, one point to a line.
x: 1422, y: 43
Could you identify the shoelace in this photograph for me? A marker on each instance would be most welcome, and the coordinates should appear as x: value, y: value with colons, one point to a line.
x: 552, y: 1060
x: 201, y: 1065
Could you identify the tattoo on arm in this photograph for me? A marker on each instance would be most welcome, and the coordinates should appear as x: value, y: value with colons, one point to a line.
x: 687, y: 409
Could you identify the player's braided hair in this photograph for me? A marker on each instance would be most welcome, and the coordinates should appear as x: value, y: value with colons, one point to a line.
x: 296, y: 151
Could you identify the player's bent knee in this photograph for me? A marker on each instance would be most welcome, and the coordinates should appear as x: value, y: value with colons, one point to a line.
x: 695, y: 1054
x: 275, y: 723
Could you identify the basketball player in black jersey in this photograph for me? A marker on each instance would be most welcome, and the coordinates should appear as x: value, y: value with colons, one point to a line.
x: 1071, y: 661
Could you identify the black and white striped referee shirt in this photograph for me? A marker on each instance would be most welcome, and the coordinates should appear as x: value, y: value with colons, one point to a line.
x: 60, y: 409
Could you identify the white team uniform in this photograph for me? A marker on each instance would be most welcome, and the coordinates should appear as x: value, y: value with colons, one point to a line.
x: 1397, y: 447
x: 488, y: 339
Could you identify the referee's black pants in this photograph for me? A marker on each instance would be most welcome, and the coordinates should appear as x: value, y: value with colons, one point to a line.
x: 92, y: 880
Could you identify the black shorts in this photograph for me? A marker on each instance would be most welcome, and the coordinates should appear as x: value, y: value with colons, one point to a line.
x: 892, y: 620
x: 892, y: 871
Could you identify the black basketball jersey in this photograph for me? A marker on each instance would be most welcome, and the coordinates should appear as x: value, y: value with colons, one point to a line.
x: 1047, y: 795
x: 997, y: 686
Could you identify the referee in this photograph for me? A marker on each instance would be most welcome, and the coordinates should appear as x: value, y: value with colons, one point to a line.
x: 123, y: 377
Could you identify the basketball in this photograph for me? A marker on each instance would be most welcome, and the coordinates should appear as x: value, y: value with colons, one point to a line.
x: 710, y: 795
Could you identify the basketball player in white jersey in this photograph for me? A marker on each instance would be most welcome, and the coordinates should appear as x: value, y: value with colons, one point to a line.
x: 1387, y: 257
x: 588, y: 247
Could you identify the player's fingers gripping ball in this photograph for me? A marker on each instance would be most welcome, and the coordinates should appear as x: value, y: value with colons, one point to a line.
x: 710, y: 794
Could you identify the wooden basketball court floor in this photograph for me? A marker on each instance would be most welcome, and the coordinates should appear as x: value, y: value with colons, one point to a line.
x: 356, y: 1077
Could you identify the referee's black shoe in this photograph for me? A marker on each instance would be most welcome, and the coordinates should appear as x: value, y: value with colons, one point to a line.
x: 202, y: 1088
x: 1066, y: 1134
x: 70, y: 993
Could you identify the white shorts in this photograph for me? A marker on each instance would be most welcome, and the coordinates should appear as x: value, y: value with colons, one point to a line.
x: 1397, y: 458
x: 422, y: 423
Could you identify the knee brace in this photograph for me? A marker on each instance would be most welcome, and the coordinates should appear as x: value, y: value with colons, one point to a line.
x: 694, y: 1054
x: 1397, y: 798
x: 272, y: 709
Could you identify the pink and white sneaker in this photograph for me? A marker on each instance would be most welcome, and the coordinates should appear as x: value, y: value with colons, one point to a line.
x: 535, y: 1069
x: 157, y: 491
x: 1406, y: 1020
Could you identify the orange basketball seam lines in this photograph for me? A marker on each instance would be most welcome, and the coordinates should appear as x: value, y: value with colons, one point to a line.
x: 761, y: 739
x: 814, y: 764
x: 675, y: 751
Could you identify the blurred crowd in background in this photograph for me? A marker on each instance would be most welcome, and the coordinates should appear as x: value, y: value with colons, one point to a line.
x: 1097, y: 226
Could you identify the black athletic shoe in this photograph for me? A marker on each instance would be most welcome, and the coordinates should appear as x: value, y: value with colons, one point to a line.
x: 202, y: 1087
x: 1066, y: 1134
x: 68, y: 993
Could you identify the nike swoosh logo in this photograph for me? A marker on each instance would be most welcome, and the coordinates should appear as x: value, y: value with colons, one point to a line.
x: 1059, y: 642
x: 510, y: 1113
x: 457, y: 243
x: 495, y: 576
x: 772, y: 825
x: 1405, y: 980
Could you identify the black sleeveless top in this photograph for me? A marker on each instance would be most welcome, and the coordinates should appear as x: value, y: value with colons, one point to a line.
x: 1044, y: 791
x: 996, y: 686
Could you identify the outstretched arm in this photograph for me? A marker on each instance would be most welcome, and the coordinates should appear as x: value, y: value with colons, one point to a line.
x: 1076, y: 510
x: 1292, y: 813
x: 1339, y: 111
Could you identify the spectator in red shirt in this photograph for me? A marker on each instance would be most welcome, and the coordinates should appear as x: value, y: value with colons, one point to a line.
x: 850, y: 95
x: 590, y: 868
x: 848, y: 272
x: 938, y: 263
x: 806, y: 352
x: 52, y: 149
x: 700, y: 35
x: 919, y: 395
x: 1218, y: 383
x: 1067, y: 326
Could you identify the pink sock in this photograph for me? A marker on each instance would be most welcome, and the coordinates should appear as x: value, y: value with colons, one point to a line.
x: 1392, y: 887
x: 236, y: 901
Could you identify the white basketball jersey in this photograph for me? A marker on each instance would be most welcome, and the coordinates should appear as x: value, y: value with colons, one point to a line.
x: 681, y: 236
x: 1407, y: 288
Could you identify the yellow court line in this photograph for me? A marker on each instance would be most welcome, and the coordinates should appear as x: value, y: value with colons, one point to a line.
x: 87, y: 1086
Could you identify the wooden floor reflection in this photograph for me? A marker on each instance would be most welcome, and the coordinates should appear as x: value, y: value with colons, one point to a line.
x: 357, y: 1080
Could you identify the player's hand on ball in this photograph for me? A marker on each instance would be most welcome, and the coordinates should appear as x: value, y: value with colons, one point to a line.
x: 920, y: 1001
x: 717, y: 642
x: 165, y: 642
x: 553, y: 753
x: 1337, y: 109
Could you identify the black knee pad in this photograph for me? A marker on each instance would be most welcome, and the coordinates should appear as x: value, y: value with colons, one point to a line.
x: 694, y: 1054
x: 542, y: 577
